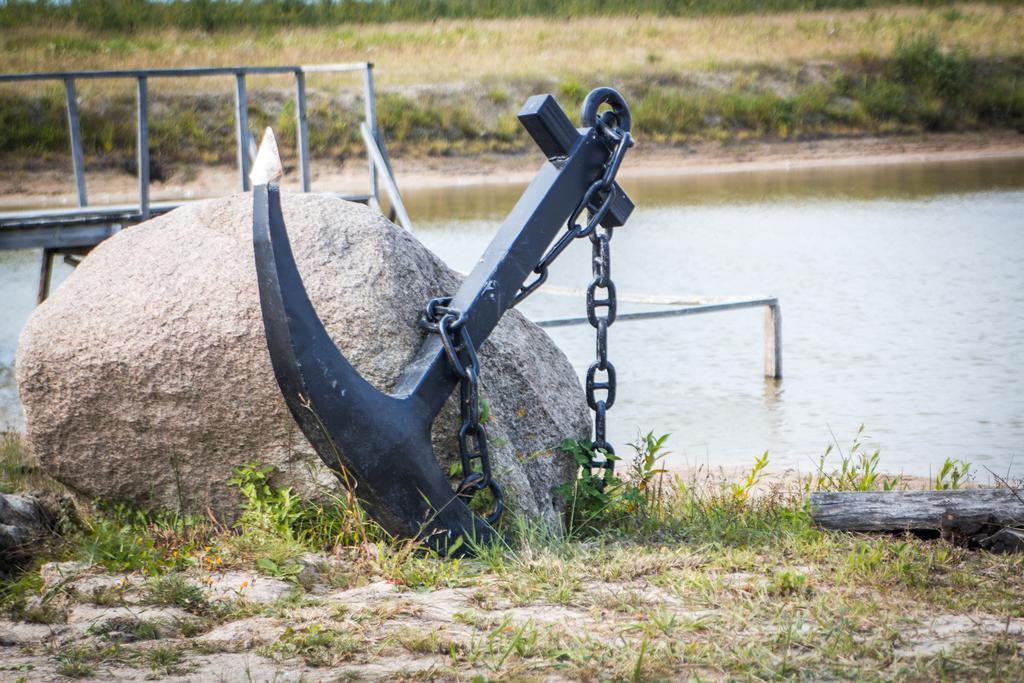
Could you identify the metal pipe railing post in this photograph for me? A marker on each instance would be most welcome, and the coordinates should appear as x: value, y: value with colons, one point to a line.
x: 773, y: 341
x: 45, y: 273
x: 302, y: 128
x: 242, y: 128
x: 142, y: 137
x: 371, y: 122
x: 75, y: 131
x: 390, y: 186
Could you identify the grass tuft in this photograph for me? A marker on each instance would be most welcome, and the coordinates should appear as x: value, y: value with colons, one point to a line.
x: 175, y: 590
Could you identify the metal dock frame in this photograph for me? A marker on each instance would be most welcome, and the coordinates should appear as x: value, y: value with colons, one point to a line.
x: 74, y: 232
x: 772, y: 322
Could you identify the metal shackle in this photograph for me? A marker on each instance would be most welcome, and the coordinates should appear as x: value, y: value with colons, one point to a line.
x: 609, y: 96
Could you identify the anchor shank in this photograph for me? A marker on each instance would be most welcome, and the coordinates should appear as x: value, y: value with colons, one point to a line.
x: 490, y: 289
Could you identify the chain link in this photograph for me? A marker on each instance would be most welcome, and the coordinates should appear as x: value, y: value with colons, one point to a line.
x: 449, y: 324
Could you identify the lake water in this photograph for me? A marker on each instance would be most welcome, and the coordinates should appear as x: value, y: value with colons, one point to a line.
x: 902, y: 295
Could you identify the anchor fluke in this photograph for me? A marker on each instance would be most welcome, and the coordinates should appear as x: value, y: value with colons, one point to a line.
x: 377, y: 442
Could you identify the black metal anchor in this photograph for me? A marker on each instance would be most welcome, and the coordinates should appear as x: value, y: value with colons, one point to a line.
x: 381, y: 442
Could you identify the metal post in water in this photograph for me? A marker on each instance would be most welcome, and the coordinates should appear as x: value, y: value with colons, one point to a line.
x: 142, y: 151
x: 242, y: 129
x: 773, y: 341
x: 302, y: 127
x: 45, y: 271
x: 74, y: 130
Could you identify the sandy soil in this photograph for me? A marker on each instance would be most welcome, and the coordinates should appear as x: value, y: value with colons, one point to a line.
x: 54, y: 187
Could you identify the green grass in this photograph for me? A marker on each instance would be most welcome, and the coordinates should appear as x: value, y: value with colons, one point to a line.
x: 124, y: 539
x: 164, y: 660
x: 18, y: 470
x: 660, y: 577
x: 127, y: 629
x: 316, y: 645
x: 75, y: 662
x: 174, y: 590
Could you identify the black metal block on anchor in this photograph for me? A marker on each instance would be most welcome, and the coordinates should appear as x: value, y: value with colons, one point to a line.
x: 554, y: 133
x: 381, y: 442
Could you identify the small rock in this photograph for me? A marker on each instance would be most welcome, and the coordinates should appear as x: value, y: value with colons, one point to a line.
x: 394, y: 668
x: 54, y: 574
x: 246, y: 666
x: 90, y: 584
x: 364, y: 595
x: 24, y: 522
x: 314, y: 566
x: 321, y: 572
x: 244, y: 634
x: 109, y: 589
x: 233, y: 585
x: 88, y: 614
x: 49, y: 608
x: 14, y: 634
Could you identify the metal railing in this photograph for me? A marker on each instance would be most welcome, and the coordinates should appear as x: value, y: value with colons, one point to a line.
x: 377, y: 160
x: 772, y: 320
x: 72, y: 233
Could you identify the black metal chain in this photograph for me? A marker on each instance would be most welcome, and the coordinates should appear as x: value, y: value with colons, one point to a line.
x: 622, y: 141
x: 449, y: 324
x: 600, y: 239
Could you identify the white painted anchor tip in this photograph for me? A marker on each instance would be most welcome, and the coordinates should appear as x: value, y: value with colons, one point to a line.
x: 266, y: 169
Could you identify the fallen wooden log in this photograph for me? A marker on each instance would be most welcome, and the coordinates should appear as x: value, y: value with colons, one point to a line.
x: 967, y: 511
x: 25, y: 521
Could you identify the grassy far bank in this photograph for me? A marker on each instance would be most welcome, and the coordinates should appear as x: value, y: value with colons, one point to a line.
x: 788, y: 76
x: 663, y: 579
x: 460, y: 51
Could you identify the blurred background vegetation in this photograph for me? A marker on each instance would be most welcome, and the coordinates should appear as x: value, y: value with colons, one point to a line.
x: 450, y: 83
x: 219, y: 15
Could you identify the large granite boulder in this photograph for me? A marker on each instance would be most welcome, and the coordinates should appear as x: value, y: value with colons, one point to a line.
x: 145, y: 377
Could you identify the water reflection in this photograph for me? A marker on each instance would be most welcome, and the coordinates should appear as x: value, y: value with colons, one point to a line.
x: 864, y: 182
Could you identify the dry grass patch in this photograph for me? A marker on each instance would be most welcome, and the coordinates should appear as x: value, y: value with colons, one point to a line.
x: 460, y: 52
